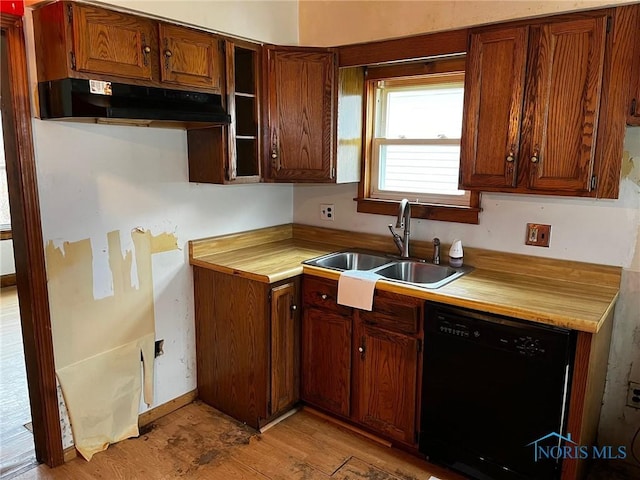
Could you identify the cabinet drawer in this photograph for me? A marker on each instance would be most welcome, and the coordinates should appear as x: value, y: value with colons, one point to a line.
x: 318, y: 292
x: 394, y: 312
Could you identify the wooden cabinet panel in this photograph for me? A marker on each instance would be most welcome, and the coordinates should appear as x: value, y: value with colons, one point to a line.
x: 387, y: 382
x: 634, y: 103
x: 395, y: 312
x: 494, y: 93
x: 190, y: 58
x: 564, y: 101
x: 232, y: 344
x: 323, y: 293
x: 112, y: 43
x: 285, y: 347
x: 549, y: 138
x: 232, y: 154
x: 300, y: 114
x: 326, y: 360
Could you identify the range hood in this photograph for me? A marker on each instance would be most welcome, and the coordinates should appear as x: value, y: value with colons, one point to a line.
x: 110, y: 102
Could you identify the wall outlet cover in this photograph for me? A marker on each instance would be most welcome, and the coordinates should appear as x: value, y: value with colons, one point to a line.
x: 633, y: 395
x: 327, y: 211
x: 538, y: 235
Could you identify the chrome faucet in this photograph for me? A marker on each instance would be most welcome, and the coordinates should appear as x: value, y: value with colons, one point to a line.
x: 404, y: 219
x: 436, y: 251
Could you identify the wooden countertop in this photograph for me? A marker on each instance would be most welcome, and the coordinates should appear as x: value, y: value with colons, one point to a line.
x: 576, y: 295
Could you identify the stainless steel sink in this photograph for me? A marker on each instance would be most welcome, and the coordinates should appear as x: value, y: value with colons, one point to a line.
x: 350, y: 261
x: 411, y: 272
x: 425, y: 275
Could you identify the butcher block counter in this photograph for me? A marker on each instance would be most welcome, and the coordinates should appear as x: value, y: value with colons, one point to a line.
x: 259, y: 271
x: 567, y: 294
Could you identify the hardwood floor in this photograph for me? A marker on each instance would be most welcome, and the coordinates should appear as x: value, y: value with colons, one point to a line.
x: 197, y: 442
x: 16, y: 442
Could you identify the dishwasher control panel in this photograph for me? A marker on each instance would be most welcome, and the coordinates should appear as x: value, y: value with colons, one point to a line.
x: 508, y: 336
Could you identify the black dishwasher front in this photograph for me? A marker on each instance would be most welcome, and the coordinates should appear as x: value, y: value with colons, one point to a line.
x: 492, y: 386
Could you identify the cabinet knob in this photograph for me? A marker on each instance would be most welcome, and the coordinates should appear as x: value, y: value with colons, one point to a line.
x: 294, y: 307
x: 535, y: 158
x: 324, y: 296
x: 511, y: 157
x: 146, y: 49
x: 274, y: 155
x: 167, y: 53
x: 361, y: 349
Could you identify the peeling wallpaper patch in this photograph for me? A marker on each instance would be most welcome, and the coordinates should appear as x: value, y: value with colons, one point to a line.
x: 87, y: 327
x: 631, y: 167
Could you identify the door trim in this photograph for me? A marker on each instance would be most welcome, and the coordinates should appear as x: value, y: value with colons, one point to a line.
x: 29, y: 251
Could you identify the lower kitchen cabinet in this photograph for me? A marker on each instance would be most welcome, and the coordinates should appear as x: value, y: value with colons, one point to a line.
x: 247, y: 344
x: 386, y: 385
x: 387, y: 366
x: 326, y: 360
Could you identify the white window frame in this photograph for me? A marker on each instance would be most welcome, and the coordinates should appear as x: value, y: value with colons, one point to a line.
x: 380, y: 105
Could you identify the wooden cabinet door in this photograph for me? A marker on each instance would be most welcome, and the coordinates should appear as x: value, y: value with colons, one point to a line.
x: 326, y: 360
x: 285, y: 347
x: 232, y: 344
x: 300, y: 116
x: 190, y: 58
x: 634, y: 110
x: 112, y: 43
x: 494, y: 92
x: 563, y: 100
x: 386, y: 389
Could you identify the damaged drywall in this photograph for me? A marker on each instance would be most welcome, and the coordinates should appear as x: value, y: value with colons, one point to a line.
x: 98, y: 342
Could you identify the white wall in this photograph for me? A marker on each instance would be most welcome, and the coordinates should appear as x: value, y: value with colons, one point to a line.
x: 7, y: 264
x: 93, y: 179
x: 274, y: 21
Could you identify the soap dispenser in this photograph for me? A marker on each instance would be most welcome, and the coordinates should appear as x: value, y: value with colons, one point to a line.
x: 456, y: 254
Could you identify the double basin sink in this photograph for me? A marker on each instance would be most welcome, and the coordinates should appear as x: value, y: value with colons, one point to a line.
x: 412, y: 272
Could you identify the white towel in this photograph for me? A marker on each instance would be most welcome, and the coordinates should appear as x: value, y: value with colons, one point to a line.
x: 356, y: 288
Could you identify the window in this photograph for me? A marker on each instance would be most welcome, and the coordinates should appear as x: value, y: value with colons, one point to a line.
x: 413, y: 143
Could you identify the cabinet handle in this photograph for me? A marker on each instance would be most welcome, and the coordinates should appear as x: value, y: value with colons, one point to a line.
x: 167, y: 56
x: 294, y: 307
x: 146, y: 50
x: 275, y: 160
x: 511, y: 157
x: 324, y: 296
x: 535, y: 158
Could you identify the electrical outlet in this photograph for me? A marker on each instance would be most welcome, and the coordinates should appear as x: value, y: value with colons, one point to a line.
x: 327, y: 211
x: 538, y: 235
x: 633, y: 395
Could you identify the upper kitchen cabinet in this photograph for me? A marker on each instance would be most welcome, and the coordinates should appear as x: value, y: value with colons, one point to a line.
x: 232, y: 154
x: 300, y: 114
x: 313, y: 116
x: 634, y: 102
x: 75, y: 40
x: 542, y: 113
x: 190, y: 58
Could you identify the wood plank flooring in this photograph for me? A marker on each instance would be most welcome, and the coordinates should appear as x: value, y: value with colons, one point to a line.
x: 198, y: 442
x: 16, y: 442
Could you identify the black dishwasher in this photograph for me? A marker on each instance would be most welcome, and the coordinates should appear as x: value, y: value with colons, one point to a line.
x: 491, y: 387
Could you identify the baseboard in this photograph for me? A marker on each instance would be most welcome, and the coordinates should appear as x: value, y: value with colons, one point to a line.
x: 148, y: 417
x: 346, y: 425
x: 7, y: 280
x: 160, y: 411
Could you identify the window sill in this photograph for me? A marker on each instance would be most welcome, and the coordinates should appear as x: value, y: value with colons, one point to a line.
x: 443, y: 213
x: 5, y: 232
